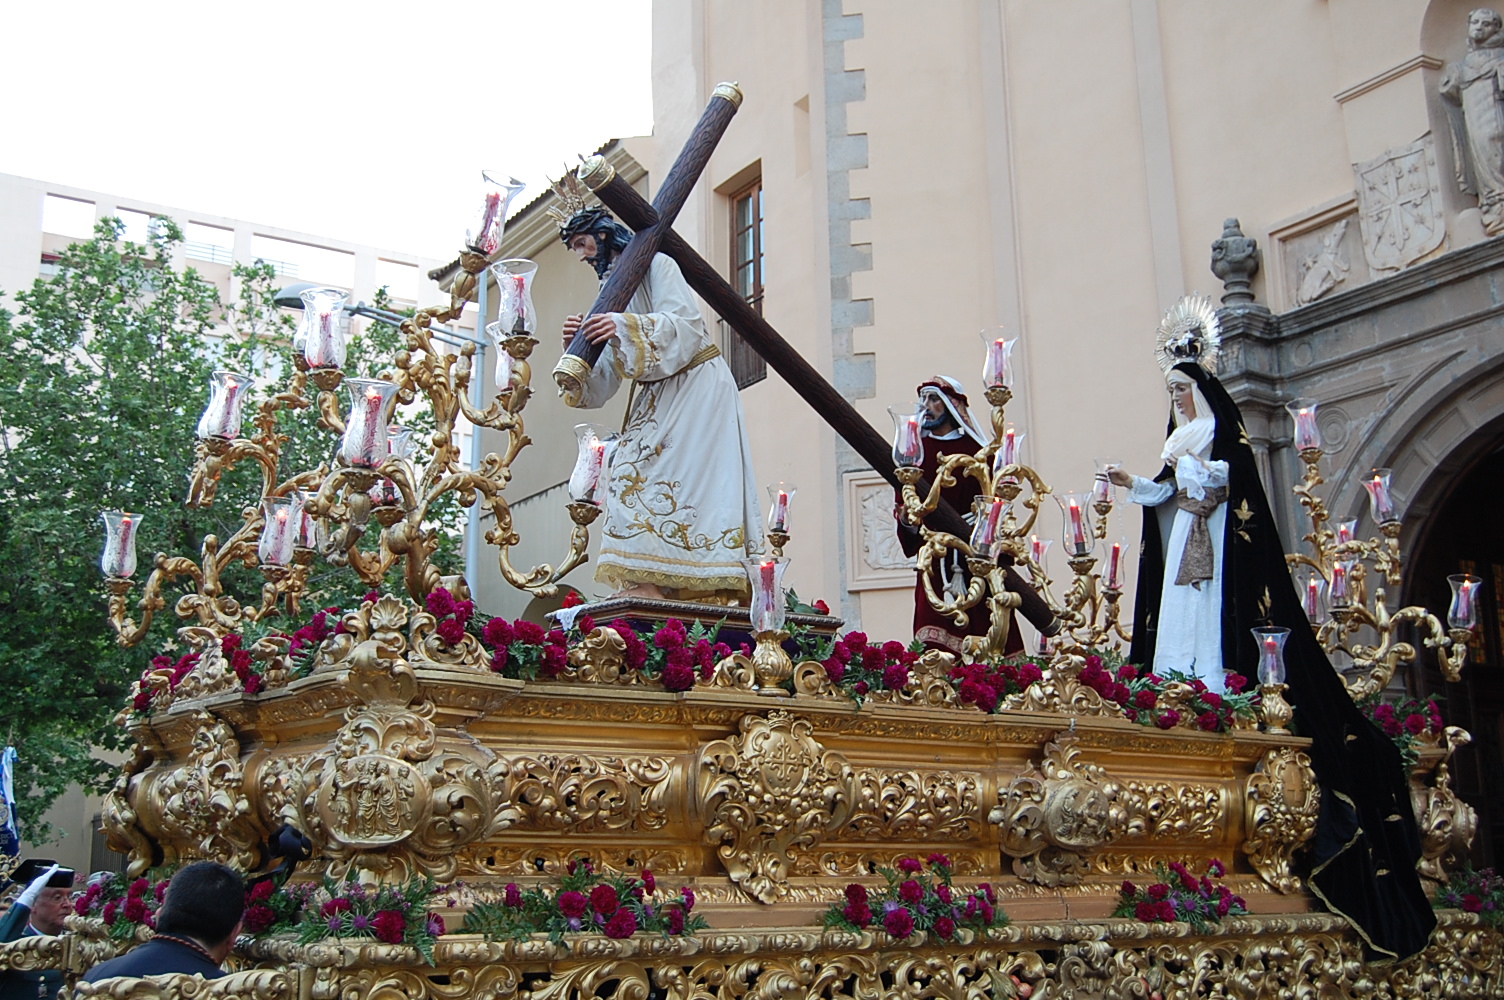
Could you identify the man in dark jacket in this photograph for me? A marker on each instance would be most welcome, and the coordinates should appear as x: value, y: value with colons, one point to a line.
x: 196, y: 927
x: 39, y: 909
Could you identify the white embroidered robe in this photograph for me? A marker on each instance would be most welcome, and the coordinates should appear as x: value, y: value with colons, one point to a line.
x: 681, y: 507
x: 1190, y: 617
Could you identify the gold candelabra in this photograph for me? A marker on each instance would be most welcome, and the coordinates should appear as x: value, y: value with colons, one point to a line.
x: 1340, y: 564
x: 1089, y: 611
x: 334, y: 504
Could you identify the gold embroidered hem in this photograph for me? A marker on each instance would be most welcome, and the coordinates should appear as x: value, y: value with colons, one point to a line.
x: 728, y: 589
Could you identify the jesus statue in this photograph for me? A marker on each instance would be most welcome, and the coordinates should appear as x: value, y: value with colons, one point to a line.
x: 681, y: 504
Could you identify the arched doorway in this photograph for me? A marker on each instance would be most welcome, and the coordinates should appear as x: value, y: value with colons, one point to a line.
x: 1463, y: 534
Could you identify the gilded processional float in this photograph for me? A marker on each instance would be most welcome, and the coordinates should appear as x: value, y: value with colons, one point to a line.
x: 660, y: 799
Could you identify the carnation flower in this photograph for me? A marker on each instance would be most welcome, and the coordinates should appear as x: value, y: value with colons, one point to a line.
x: 910, y: 892
x: 1168, y: 719
x: 944, y: 928
x: 678, y: 677
x: 689, y: 898
x: 497, y: 633
x: 895, y: 676
x: 1212, y: 699
x: 943, y: 891
x: 390, y: 926
x: 513, y: 896
x: 1217, y: 868
x: 1209, y: 721
x: 856, y: 641
x: 899, y: 923
x: 258, y: 918
x: 1128, y: 888
x: 860, y: 687
x: 623, y: 923
x: 1147, y: 912
x: 834, y: 669
x: 909, y: 865
x: 858, y: 913
x: 938, y: 859
x: 1158, y: 891
x: 440, y: 603
x: 605, y: 900
x: 1146, y: 699
x: 648, y: 881
x: 675, y: 917
x: 573, y: 904
x: 856, y: 892
x: 334, y: 907
x: 528, y: 632
x: 1472, y: 903
x: 451, y: 631
x: 1236, y: 683
x: 261, y: 891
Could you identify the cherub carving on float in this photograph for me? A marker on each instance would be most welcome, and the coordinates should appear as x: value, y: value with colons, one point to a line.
x: 1212, y: 568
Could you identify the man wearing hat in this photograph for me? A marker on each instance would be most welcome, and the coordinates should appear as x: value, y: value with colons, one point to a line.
x: 39, y: 909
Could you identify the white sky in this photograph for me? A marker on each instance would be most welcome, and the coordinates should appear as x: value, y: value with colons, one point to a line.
x: 365, y: 121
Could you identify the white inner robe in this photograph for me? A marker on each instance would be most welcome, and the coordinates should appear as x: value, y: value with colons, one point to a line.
x: 1190, y: 617
x: 681, y: 505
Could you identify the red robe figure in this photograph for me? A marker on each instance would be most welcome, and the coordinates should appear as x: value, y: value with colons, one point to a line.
x: 948, y: 429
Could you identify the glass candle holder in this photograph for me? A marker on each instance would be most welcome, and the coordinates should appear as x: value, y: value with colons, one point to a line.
x: 1116, y: 564
x: 1347, y: 530
x: 1463, y: 612
x: 1010, y: 451
x: 766, y: 574
x: 398, y: 445
x: 1039, y: 548
x: 1102, y: 490
x: 780, y: 497
x: 1312, y: 587
x: 119, y: 559
x: 279, y: 534
x: 908, y: 448
x: 587, y: 483
x: 1340, y: 591
x: 1271, y: 654
x: 222, y: 416
x: 483, y: 235
x: 987, y: 531
x: 504, y: 360
x: 365, y: 441
x: 514, y: 287
x: 327, y: 327
x: 311, y: 534
x: 1303, y: 412
x: 997, y: 369
x: 1079, y: 540
x: 1380, y: 496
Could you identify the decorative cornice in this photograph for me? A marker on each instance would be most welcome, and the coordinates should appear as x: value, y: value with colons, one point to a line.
x: 1392, y: 73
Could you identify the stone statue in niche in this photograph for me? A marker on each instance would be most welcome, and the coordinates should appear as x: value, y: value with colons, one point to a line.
x: 1323, y: 270
x: 1474, y: 92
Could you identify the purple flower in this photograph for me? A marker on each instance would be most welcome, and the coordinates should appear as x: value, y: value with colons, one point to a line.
x: 334, y: 925
x: 360, y: 922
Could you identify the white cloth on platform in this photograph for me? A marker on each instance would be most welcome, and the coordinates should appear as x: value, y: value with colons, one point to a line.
x: 1190, y: 615
x: 681, y: 508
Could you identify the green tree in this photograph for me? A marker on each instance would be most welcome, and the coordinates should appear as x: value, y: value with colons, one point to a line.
x: 103, y: 375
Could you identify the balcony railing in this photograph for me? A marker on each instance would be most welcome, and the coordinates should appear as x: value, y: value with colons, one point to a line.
x: 209, y: 252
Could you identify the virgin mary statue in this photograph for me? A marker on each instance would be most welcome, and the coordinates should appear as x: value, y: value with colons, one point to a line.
x: 1211, y: 569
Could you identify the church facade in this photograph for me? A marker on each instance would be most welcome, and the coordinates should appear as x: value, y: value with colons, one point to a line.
x: 902, y: 176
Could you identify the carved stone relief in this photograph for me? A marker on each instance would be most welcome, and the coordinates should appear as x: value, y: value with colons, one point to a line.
x: 874, y: 559
x: 1399, y: 206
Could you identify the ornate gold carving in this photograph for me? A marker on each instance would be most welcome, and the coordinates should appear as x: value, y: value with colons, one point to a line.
x: 253, y: 984
x: 1281, y: 803
x: 1057, y: 814
x: 915, y: 806
x: 525, y: 859
x: 580, y: 793
x: 1185, y: 813
x: 1060, y: 691
x: 862, y: 863
x: 1447, y: 824
x: 202, y: 802
x: 599, y: 658
x: 386, y: 795
x: 767, y: 792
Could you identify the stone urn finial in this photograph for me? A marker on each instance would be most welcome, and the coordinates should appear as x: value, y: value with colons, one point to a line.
x: 1235, y: 260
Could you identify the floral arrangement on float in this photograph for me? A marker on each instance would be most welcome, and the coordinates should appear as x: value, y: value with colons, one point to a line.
x: 123, y: 906
x: 1409, y: 724
x: 1480, y: 892
x: 918, y: 898
x: 584, y: 901
x: 1181, y: 897
x: 1170, y: 700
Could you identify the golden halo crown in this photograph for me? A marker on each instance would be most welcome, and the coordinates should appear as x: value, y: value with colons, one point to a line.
x: 1190, y: 331
x: 573, y: 197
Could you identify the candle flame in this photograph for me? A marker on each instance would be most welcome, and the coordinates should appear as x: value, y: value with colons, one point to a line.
x: 372, y: 394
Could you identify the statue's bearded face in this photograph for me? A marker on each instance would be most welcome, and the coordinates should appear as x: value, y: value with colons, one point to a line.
x: 584, y: 247
x: 1483, y: 24
x: 936, y: 417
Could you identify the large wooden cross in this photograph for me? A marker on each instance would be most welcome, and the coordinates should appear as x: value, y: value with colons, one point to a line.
x: 653, y: 233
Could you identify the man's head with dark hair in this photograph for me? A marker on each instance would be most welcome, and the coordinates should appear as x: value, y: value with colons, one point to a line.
x: 596, y: 237
x: 205, y: 901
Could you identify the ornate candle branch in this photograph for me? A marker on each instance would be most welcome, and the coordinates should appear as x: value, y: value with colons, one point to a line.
x: 339, y: 498
x: 1342, y: 564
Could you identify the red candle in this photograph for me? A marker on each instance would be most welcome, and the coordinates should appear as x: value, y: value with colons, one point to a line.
x: 1465, y: 600
x: 1038, y: 547
x: 1270, y: 667
x: 1383, y: 504
x: 368, y: 455
x: 1306, y: 434
x: 121, y: 544
x: 769, y: 595
x: 1010, y: 446
x: 997, y: 371
x: 1313, y: 599
x: 1078, y: 529
x: 597, y: 464
x: 485, y: 237
x: 1344, y: 532
x: 906, y: 448
x: 780, y: 519
x: 1339, y: 583
x: 1112, y: 566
